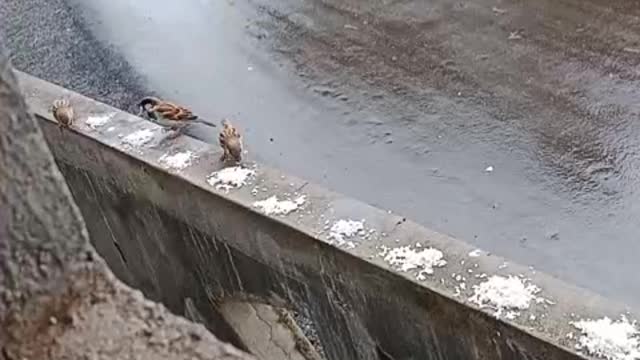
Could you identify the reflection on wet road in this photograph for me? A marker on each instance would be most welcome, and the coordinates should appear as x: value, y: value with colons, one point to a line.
x: 405, y: 105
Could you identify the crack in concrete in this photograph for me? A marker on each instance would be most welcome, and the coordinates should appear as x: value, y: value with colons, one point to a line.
x: 302, y: 186
x: 302, y: 343
x: 397, y: 224
x: 284, y: 351
x: 382, y: 354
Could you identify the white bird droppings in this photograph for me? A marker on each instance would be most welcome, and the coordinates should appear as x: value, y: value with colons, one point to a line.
x: 611, y: 340
x: 138, y: 138
x: 489, y: 169
x: 95, y: 122
x: 230, y: 178
x: 506, y: 295
x: 345, y: 229
x: 475, y: 253
x: 177, y: 161
x: 405, y: 258
x: 273, y: 206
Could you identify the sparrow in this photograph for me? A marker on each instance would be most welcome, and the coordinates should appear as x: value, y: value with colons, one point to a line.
x: 168, y: 115
x: 63, y: 113
x: 231, y: 142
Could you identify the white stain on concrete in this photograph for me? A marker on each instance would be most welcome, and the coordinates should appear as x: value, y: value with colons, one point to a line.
x: 97, y: 121
x: 607, y: 339
x: 475, y: 253
x: 406, y: 258
x: 230, y: 178
x: 507, y: 296
x: 177, y: 161
x: 345, y: 229
x: 274, y: 206
x: 138, y: 138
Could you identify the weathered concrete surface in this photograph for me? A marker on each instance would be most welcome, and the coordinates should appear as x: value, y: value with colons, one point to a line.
x: 433, y: 90
x: 269, y: 333
x: 58, y: 300
x: 172, y: 235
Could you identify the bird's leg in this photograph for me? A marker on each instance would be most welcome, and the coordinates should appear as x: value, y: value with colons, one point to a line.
x: 177, y: 131
x: 168, y: 136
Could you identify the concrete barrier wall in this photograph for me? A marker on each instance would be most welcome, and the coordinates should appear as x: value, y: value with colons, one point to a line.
x: 56, y: 293
x: 170, y: 233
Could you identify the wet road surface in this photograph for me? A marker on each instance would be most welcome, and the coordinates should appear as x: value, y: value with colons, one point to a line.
x: 402, y: 104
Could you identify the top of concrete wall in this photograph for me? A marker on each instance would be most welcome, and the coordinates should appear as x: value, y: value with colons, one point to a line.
x: 545, y: 307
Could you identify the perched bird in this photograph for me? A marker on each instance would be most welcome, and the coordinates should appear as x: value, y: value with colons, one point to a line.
x: 63, y: 113
x: 168, y: 115
x: 231, y: 142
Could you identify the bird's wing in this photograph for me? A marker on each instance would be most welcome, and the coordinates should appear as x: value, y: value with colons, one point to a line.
x: 222, y: 138
x: 229, y: 130
x: 173, y: 112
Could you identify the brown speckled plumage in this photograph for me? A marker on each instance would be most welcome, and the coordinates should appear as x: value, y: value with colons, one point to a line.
x: 231, y: 142
x: 167, y: 114
x: 63, y: 113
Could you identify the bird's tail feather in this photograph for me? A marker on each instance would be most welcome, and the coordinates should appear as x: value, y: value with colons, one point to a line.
x: 205, y: 122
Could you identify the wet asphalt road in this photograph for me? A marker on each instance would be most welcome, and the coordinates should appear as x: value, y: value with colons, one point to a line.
x: 402, y: 104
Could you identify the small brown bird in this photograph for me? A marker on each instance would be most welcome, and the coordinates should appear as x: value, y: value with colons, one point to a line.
x: 63, y: 113
x: 168, y: 115
x: 231, y: 142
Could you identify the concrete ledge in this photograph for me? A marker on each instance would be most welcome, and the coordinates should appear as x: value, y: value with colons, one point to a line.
x: 172, y: 235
